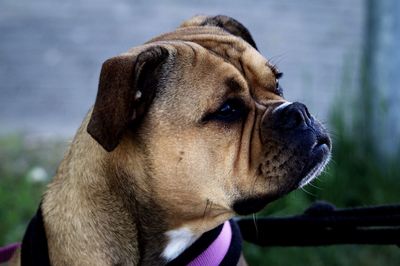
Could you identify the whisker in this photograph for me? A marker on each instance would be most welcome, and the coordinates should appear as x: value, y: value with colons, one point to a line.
x: 205, y: 209
x: 255, y: 223
x: 332, y: 161
x: 277, y: 59
x: 254, y: 183
x: 315, y: 186
x: 308, y: 192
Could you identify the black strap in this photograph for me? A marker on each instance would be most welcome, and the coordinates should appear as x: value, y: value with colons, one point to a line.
x: 34, y: 250
x: 323, y: 224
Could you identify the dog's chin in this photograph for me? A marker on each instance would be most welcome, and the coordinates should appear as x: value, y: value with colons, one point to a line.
x: 253, y: 204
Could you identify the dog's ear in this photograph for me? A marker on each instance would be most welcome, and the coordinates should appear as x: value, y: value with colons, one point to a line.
x: 127, y: 86
x: 229, y: 24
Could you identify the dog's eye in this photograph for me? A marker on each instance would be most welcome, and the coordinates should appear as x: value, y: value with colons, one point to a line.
x: 231, y: 111
x: 278, y: 88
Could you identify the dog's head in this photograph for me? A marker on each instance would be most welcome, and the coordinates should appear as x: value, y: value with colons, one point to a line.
x: 200, y: 125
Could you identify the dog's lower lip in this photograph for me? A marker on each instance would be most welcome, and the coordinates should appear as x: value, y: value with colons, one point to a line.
x: 319, y: 157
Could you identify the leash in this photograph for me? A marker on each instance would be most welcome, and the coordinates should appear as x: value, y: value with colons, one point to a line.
x: 322, y: 224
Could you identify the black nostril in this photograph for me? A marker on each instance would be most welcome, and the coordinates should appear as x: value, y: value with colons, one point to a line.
x: 294, y: 116
x: 298, y: 117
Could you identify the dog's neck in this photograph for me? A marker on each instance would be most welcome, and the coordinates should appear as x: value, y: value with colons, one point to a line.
x: 146, y: 217
x: 90, y: 216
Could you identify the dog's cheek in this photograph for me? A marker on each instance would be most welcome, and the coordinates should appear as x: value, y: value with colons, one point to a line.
x: 198, y: 174
x: 281, y: 167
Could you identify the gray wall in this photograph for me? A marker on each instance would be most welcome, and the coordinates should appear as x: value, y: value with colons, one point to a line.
x: 51, y: 51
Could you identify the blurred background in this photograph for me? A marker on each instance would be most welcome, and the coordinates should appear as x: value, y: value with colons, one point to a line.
x: 339, y: 57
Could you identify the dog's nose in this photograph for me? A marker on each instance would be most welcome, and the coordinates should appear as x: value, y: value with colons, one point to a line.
x: 293, y: 116
x: 292, y: 123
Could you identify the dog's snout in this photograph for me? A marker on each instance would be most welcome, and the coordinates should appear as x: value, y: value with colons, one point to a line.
x: 303, y: 143
x: 292, y: 123
x: 293, y: 116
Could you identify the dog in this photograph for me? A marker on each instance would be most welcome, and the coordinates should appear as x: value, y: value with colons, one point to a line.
x: 187, y: 131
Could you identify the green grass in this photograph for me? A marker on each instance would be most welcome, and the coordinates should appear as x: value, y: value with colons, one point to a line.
x: 21, y: 160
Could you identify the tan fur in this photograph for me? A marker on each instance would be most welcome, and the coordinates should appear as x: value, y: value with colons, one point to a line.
x: 108, y: 208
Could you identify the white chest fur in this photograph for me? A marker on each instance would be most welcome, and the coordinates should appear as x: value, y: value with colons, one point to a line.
x: 178, y: 240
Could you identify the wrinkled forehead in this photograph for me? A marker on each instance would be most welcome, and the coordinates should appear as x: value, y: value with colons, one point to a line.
x: 249, y: 63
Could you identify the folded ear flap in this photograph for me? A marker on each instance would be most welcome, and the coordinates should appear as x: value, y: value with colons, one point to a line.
x: 127, y: 86
x: 229, y: 24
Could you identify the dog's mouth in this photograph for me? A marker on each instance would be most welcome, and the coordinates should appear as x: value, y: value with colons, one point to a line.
x: 317, y: 160
x: 319, y: 157
x: 303, y: 142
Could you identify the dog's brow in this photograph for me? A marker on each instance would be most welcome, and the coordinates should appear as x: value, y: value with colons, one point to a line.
x: 234, y: 85
x: 278, y: 74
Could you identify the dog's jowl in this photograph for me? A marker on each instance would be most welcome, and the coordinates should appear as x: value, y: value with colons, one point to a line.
x: 187, y: 131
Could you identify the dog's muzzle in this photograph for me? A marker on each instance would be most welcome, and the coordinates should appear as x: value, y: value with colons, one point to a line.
x: 293, y: 128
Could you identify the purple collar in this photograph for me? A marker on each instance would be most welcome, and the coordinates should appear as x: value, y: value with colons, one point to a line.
x: 7, y: 252
x: 220, y: 246
x: 215, y: 252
